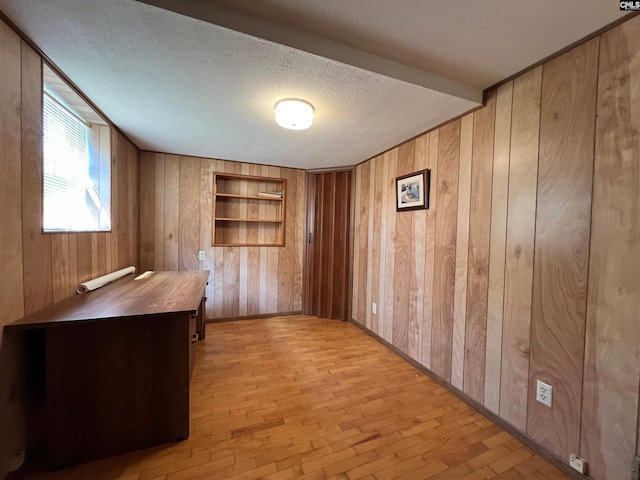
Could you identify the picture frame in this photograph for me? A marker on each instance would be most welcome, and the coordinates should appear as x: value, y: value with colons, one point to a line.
x: 413, y: 190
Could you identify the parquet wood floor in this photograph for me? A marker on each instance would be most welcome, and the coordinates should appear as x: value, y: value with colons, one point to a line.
x: 309, y: 398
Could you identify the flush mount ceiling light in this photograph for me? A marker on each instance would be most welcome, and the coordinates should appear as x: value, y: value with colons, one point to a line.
x: 294, y: 114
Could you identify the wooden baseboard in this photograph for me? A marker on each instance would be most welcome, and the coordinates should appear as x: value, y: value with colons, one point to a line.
x: 528, y: 441
x: 253, y: 317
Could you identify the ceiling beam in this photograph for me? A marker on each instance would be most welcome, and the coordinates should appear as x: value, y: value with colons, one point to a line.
x: 209, y: 12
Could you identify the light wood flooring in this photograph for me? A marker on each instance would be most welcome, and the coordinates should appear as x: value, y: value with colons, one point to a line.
x: 308, y: 398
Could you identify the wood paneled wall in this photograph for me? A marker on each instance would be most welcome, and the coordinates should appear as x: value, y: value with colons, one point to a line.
x: 38, y: 269
x: 525, y: 267
x: 176, y: 202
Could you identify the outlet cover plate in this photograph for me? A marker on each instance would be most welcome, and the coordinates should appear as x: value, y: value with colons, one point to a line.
x: 577, y: 463
x: 374, y: 308
x: 544, y: 393
x: 202, y: 255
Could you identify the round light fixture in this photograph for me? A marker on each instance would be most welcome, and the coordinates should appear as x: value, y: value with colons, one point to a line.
x: 294, y: 114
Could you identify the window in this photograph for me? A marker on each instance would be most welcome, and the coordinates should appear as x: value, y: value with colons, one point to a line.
x: 77, y: 170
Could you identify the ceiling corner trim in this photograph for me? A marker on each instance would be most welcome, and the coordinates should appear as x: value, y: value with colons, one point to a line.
x: 283, y: 35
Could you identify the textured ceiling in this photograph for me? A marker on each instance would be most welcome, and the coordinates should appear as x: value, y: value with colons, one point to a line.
x: 179, y: 84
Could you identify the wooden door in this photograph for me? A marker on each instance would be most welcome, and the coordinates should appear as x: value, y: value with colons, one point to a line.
x: 327, y: 285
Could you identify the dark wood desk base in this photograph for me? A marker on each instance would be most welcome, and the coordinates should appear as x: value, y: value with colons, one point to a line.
x: 116, y: 386
x: 118, y: 366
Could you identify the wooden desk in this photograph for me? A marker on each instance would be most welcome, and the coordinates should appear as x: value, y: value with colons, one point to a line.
x: 118, y: 365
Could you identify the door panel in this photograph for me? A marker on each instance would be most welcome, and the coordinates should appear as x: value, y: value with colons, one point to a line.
x: 327, y: 284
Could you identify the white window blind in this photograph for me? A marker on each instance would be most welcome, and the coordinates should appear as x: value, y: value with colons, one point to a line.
x: 72, y: 200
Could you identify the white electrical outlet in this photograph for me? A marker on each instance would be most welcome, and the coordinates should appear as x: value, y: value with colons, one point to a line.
x: 577, y: 463
x: 374, y: 308
x: 544, y: 393
x: 201, y: 255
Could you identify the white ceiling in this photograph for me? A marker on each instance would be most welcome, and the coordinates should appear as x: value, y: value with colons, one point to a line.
x: 204, y: 81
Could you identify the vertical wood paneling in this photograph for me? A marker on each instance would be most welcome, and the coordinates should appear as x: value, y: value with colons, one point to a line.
x: 479, y: 238
x: 287, y: 254
x: 244, y: 252
x: 207, y: 168
x: 38, y: 285
x: 133, y: 206
x: 390, y: 247
x: 189, y: 215
x: 37, y: 269
x: 244, y: 280
x: 403, y: 264
x: 11, y: 272
x: 124, y: 197
x: 158, y: 223
x: 94, y: 255
x: 523, y: 172
x: 363, y: 244
x: 101, y: 254
x: 147, y: 210
x: 272, y: 262
x: 565, y: 177
x: 11, y: 255
x: 376, y: 222
x: 253, y: 258
x: 497, y: 247
x: 383, y: 320
x: 416, y: 292
x: 171, y: 212
x: 84, y: 257
x: 462, y: 251
x: 231, y: 256
x: 516, y: 320
x: 612, y: 357
x: 370, y: 207
x: 445, y: 249
x: 60, y: 265
x: 357, y: 232
x: 73, y: 264
x: 429, y: 251
x: 115, y: 205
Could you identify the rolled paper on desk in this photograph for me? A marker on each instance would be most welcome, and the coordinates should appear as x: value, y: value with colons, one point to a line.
x: 101, y: 281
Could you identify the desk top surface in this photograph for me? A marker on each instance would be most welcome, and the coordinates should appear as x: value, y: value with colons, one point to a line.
x: 161, y: 293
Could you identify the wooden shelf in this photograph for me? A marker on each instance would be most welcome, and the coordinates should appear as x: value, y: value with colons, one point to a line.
x: 241, y: 217
x: 254, y: 220
x: 249, y: 197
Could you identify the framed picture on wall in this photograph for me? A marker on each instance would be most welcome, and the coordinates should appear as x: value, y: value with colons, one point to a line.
x: 412, y: 191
